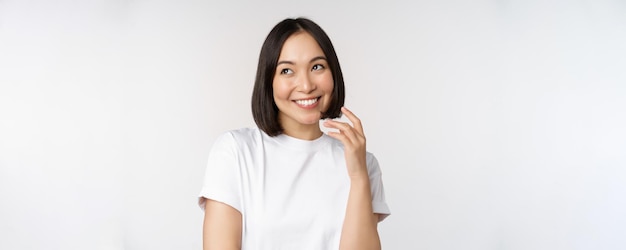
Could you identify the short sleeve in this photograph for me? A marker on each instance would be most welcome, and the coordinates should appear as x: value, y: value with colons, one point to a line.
x: 379, y: 204
x: 222, y: 175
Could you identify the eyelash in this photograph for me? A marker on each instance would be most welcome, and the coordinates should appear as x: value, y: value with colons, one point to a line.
x: 316, y: 65
x: 288, y: 70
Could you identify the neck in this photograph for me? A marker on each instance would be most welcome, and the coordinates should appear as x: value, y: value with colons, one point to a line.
x: 305, y: 134
x: 302, y: 131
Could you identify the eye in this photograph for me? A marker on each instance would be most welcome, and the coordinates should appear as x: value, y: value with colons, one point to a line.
x: 317, y: 67
x: 286, y: 71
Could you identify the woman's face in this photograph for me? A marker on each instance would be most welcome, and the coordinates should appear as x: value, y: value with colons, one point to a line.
x: 303, y: 82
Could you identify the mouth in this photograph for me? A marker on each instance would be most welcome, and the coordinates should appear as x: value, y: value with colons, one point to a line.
x: 307, y: 103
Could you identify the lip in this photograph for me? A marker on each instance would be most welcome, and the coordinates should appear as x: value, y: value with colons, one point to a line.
x: 312, y: 106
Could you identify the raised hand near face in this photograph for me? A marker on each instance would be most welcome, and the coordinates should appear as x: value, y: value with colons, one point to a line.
x: 353, y: 140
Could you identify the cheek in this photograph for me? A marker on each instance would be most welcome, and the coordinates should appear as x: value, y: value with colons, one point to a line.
x: 328, y: 84
x: 280, y: 90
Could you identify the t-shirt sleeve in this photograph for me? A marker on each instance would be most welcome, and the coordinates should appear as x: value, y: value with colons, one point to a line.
x: 379, y: 204
x: 222, y: 175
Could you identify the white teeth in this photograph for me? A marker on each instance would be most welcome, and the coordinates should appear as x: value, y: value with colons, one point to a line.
x: 306, y: 102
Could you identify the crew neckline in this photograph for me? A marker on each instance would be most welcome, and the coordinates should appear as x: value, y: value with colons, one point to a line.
x: 301, y: 144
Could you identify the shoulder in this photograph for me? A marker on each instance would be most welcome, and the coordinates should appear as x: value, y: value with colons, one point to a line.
x: 246, y: 134
x: 372, y: 164
x: 240, y: 138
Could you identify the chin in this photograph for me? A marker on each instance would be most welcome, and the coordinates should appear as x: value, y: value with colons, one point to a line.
x: 311, y: 120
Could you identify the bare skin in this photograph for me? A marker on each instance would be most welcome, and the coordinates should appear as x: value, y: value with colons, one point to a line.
x: 222, y: 223
x: 222, y: 226
x: 360, y: 223
x: 302, y: 90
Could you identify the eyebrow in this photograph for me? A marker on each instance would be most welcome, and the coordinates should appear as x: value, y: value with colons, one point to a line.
x: 312, y: 60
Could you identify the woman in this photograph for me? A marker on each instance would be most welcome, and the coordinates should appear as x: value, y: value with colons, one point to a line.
x: 286, y: 184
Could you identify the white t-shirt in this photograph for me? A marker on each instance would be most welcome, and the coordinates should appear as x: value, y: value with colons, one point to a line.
x: 291, y: 193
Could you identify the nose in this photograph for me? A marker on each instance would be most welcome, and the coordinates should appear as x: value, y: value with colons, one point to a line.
x: 306, y: 84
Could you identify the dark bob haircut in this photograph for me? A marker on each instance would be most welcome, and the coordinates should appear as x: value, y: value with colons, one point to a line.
x: 264, y: 109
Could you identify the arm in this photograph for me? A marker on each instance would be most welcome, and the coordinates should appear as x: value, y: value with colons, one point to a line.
x: 222, y: 226
x: 360, y: 223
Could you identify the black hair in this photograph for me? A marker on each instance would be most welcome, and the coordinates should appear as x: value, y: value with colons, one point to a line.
x: 264, y: 109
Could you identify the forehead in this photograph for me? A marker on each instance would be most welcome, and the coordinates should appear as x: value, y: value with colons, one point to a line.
x: 300, y: 46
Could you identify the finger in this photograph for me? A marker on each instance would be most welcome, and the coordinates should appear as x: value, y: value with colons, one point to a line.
x: 356, y: 122
x: 343, y: 128
x: 339, y: 136
x: 347, y: 143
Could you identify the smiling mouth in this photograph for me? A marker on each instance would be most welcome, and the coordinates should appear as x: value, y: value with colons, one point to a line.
x: 307, y: 102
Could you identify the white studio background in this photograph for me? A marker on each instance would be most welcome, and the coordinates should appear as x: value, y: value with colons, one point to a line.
x: 498, y: 124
